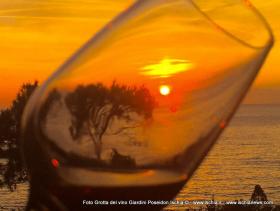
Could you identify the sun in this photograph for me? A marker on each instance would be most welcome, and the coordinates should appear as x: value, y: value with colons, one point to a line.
x: 164, y: 90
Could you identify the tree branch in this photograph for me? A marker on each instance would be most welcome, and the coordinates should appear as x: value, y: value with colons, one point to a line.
x: 123, y: 129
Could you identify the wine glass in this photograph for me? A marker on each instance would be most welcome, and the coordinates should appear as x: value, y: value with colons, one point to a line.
x: 133, y: 112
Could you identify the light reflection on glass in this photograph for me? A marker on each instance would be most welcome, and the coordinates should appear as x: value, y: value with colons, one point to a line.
x: 167, y: 67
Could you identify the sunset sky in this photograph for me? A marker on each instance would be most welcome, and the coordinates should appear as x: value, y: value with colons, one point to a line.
x: 38, y: 35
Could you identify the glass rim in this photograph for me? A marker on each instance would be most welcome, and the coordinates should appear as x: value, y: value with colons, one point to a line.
x: 269, y: 42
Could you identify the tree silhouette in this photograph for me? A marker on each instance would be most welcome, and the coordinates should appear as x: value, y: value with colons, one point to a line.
x: 95, y: 106
x: 53, y: 97
x: 10, y: 119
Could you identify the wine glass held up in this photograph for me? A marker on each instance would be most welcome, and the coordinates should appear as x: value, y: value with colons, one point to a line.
x: 133, y: 112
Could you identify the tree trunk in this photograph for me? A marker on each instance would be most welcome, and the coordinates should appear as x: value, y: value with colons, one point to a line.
x: 98, y: 147
x: 100, y: 129
x: 96, y: 141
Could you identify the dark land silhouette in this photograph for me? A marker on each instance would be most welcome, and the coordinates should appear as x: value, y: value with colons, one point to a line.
x: 10, y: 118
x: 94, y: 107
x: 97, y: 110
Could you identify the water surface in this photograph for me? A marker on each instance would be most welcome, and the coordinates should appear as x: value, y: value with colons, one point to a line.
x: 248, y: 153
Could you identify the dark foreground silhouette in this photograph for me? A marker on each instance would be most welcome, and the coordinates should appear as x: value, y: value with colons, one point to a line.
x: 13, y: 172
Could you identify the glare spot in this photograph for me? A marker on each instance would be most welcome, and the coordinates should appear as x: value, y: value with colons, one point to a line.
x: 55, y: 163
x: 223, y: 124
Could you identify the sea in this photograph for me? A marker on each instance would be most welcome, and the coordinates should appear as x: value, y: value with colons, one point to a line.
x: 246, y: 154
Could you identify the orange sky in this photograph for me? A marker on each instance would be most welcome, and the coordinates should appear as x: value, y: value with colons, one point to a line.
x: 37, y: 36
